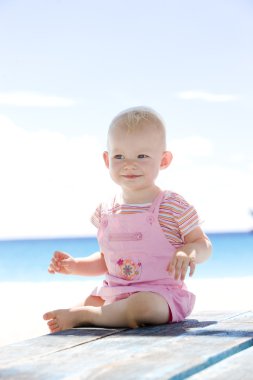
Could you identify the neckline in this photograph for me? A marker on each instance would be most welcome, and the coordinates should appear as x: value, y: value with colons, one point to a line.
x: 138, y: 204
x: 151, y: 205
x: 118, y: 199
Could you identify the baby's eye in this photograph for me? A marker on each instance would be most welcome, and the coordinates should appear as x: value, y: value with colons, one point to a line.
x: 142, y: 156
x: 119, y: 156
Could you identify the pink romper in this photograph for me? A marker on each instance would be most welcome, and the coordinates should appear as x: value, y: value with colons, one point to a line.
x: 137, y: 255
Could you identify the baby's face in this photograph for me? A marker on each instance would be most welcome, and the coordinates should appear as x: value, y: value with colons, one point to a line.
x: 135, y: 157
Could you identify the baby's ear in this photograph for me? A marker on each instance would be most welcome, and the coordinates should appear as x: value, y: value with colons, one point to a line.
x: 106, y: 159
x: 166, y: 160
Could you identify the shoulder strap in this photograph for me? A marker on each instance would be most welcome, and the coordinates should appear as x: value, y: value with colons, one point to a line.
x: 154, y: 208
x: 107, y: 205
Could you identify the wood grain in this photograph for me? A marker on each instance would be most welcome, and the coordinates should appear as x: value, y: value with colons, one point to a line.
x: 191, y: 348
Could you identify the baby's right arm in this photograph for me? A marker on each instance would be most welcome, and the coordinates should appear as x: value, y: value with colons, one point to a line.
x: 93, y: 265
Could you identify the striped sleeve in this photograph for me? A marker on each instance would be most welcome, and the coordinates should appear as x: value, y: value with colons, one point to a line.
x: 96, y: 216
x: 177, y: 217
x: 188, y: 220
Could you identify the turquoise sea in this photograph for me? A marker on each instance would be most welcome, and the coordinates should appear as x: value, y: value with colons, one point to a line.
x: 27, y: 260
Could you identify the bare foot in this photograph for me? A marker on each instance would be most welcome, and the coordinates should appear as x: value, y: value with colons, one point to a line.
x: 65, y: 319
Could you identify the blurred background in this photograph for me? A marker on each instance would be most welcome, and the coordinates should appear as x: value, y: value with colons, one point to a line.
x: 66, y: 69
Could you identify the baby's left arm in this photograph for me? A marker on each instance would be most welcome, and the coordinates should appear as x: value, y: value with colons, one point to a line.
x: 196, y: 249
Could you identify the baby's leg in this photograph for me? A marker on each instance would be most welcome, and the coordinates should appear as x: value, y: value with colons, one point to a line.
x: 67, y: 316
x: 136, y: 310
x: 92, y: 301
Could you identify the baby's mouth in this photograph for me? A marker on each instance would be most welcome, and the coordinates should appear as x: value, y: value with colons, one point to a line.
x: 131, y: 176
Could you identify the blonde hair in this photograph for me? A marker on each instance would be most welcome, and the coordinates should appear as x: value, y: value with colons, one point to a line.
x: 137, y: 118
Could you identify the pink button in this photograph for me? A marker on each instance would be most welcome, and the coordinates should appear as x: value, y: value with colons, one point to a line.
x: 150, y: 219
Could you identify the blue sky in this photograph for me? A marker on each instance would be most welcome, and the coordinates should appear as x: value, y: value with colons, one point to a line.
x: 67, y: 67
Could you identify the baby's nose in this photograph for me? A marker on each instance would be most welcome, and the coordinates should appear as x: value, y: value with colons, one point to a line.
x: 129, y: 164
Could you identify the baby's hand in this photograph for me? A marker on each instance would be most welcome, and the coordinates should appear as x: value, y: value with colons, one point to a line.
x: 180, y: 263
x: 62, y: 262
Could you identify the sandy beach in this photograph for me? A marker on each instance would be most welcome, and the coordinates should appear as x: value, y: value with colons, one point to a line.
x: 24, y: 303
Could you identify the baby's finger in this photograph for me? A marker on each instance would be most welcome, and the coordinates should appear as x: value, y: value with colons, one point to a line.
x: 178, y: 268
x: 192, y: 267
x: 56, y: 263
x: 51, y: 270
x: 171, y: 266
x: 59, y: 255
x: 184, y: 269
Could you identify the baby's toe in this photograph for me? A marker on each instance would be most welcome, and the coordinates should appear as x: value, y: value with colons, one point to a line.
x: 49, y: 315
x: 53, y: 325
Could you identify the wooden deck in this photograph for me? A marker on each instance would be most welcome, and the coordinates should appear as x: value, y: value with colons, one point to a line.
x: 211, y: 345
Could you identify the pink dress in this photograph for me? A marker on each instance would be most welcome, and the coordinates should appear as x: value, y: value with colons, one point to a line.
x: 137, y: 255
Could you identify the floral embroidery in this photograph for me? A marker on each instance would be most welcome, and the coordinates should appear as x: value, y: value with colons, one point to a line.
x: 128, y: 269
x: 120, y: 262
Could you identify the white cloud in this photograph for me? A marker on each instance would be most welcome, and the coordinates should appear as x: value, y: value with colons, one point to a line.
x: 207, y: 96
x: 33, y: 99
x: 187, y: 148
x: 50, y: 183
x: 222, y: 195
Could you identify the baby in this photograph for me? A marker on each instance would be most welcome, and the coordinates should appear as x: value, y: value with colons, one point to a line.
x: 148, y: 238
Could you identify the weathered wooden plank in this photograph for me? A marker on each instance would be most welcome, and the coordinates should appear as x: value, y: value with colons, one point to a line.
x: 28, y: 350
x: 163, y: 352
x: 47, y: 344
x: 236, y: 367
x: 218, y: 315
x: 14, y: 372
